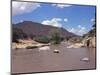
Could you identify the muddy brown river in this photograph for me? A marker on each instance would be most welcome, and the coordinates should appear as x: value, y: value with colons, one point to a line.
x: 33, y: 60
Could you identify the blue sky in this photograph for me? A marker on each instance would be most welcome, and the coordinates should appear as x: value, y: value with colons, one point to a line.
x: 74, y: 18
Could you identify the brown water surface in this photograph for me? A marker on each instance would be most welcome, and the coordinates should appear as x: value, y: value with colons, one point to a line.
x: 33, y: 60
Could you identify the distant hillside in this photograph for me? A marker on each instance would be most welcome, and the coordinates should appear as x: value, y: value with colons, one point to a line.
x: 90, y: 37
x: 30, y: 29
x: 91, y: 33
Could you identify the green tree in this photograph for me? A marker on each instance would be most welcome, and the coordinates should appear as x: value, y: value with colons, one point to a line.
x: 42, y: 39
x: 18, y: 34
x: 55, y: 36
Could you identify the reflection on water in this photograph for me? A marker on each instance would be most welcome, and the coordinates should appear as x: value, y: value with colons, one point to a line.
x: 33, y: 60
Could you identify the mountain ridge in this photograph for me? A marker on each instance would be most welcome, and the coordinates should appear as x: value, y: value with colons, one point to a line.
x: 33, y: 28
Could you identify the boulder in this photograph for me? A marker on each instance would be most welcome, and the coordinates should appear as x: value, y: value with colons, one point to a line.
x: 56, y: 51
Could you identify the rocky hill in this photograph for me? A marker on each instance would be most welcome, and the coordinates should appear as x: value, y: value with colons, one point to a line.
x: 31, y: 29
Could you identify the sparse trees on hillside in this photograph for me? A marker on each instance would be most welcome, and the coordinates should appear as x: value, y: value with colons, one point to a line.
x: 55, y: 36
x: 18, y: 34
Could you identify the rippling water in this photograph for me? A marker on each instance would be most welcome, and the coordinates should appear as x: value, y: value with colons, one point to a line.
x: 33, y: 60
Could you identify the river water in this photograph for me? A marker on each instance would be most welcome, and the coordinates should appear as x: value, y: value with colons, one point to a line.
x: 33, y: 60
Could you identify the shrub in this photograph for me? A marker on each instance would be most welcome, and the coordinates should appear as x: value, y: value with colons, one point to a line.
x: 42, y: 39
x: 55, y: 36
x: 18, y: 34
x: 31, y: 47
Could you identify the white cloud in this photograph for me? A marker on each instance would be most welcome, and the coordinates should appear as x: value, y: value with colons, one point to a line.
x: 80, y: 30
x: 53, y: 22
x: 21, y: 20
x: 61, y: 5
x: 65, y: 20
x: 23, y: 7
x: 92, y: 20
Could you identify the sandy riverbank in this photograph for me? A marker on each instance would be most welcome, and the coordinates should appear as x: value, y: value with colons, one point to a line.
x: 32, y: 43
x: 27, y: 43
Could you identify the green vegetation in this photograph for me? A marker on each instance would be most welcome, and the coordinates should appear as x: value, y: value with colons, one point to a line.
x: 55, y: 36
x: 68, y: 38
x: 42, y: 39
x: 18, y: 34
x: 31, y: 47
